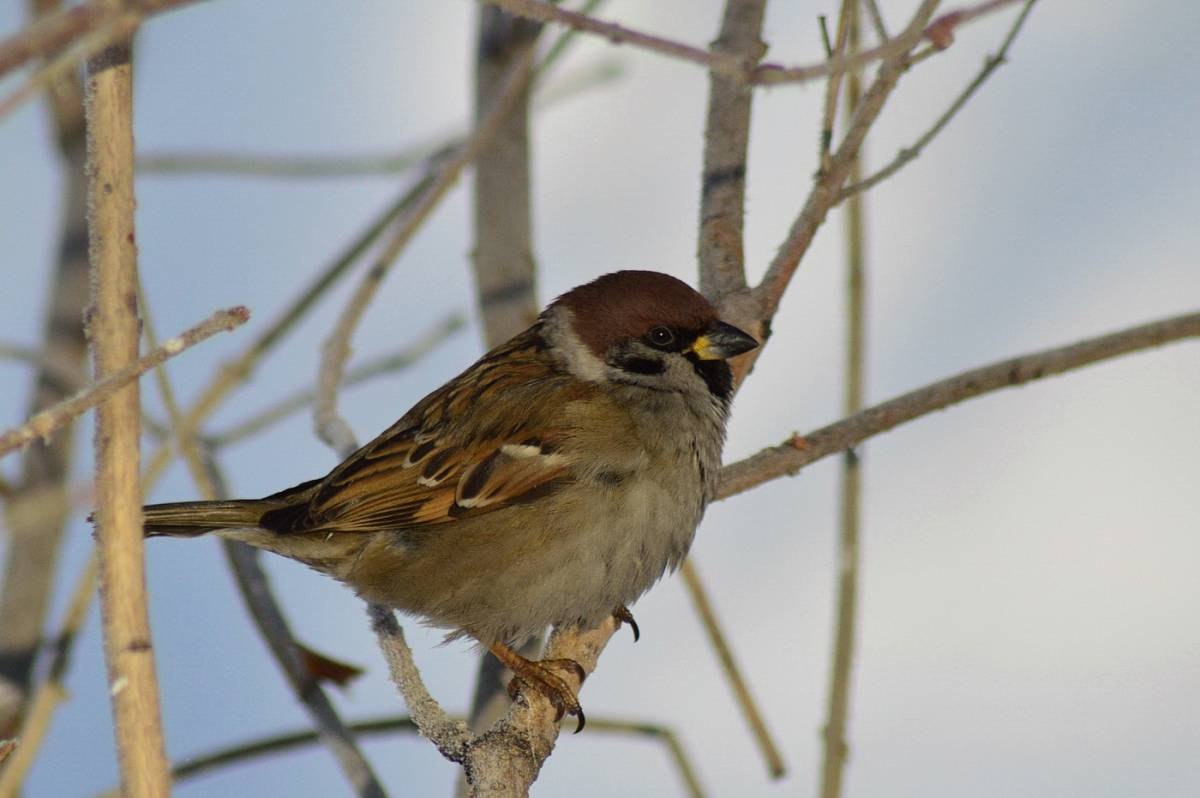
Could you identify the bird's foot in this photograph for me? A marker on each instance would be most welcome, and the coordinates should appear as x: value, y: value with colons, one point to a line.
x: 623, y: 615
x: 541, y: 677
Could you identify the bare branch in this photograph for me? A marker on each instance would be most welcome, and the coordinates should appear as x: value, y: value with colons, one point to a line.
x: 731, y: 66
x: 506, y: 760
x: 49, y: 35
x: 330, y: 427
x: 729, y: 666
x: 287, y: 741
x: 32, y: 555
x: 990, y: 65
x: 877, y: 20
x: 44, y: 424
x: 52, y: 690
x: 235, y: 372
x: 268, y: 618
x: 450, y: 736
x: 770, y: 291
x: 721, y: 246
x: 114, y: 331
x: 846, y: 568
x: 800, y: 450
x: 367, y: 370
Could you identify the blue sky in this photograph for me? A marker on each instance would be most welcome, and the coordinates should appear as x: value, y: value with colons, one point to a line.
x: 1029, y: 591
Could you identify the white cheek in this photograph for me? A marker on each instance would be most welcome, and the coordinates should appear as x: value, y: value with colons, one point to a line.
x: 578, y: 359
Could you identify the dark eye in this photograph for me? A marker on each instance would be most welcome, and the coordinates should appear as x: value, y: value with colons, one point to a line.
x: 661, y: 337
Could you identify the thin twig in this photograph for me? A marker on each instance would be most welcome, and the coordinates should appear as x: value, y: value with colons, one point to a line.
x: 732, y: 671
x: 263, y: 608
x: 63, y: 375
x: 237, y: 371
x: 273, y: 626
x: 830, y: 180
x: 30, y: 564
x: 44, y: 424
x: 238, y: 753
x: 801, y: 450
x: 731, y: 66
x: 570, y: 85
x: 49, y: 35
x: 847, y: 560
x: 451, y: 736
x: 369, y: 369
x: 65, y: 62
x: 877, y: 20
x: 833, y: 86
x: 52, y: 689
x: 113, y: 329
x: 990, y: 65
x: 330, y: 427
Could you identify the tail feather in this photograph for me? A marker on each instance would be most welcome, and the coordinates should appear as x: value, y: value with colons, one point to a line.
x: 190, y: 519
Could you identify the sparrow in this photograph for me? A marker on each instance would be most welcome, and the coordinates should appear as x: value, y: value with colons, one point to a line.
x: 550, y: 484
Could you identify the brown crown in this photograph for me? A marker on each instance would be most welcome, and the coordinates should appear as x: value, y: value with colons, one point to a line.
x: 627, y: 304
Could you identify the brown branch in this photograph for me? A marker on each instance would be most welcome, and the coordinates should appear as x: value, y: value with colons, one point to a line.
x: 506, y: 760
x: 330, y: 427
x: 721, y: 245
x: 877, y: 20
x: 49, y: 35
x: 32, y: 556
x: 46, y: 423
x: 990, y: 65
x: 731, y: 66
x: 201, y: 764
x: 730, y: 668
x: 450, y: 736
x: 237, y: 371
x: 273, y: 626
x: 113, y: 328
x: 801, y: 450
x: 833, y: 86
x: 770, y: 291
x: 260, y: 602
x: 390, y: 363
x: 52, y: 690
x: 847, y: 561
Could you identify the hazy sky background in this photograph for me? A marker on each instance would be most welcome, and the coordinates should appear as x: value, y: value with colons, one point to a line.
x: 1030, y: 588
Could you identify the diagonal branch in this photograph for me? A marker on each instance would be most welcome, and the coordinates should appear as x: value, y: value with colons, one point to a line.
x: 330, y: 427
x: 798, y: 451
x: 770, y: 291
x: 731, y: 66
x: 910, y: 153
x: 46, y: 423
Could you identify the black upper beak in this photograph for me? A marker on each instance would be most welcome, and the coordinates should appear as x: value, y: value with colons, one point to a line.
x: 721, y: 341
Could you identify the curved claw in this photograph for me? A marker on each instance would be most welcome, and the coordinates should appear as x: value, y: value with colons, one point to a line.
x: 541, y: 678
x: 623, y: 615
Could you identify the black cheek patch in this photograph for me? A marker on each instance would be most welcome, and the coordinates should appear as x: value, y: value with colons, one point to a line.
x: 640, y: 365
x: 716, y: 375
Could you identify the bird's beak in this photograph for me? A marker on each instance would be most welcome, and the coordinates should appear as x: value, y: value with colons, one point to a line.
x: 721, y: 341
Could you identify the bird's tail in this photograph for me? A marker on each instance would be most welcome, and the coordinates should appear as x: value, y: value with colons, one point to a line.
x: 190, y: 519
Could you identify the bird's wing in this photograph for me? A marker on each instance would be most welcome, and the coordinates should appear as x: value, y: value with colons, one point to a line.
x: 461, y: 451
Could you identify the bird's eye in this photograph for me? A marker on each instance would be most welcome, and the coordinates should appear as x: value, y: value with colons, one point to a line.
x: 661, y: 337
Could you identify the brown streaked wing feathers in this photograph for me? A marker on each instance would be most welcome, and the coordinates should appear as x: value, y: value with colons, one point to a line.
x: 455, y: 454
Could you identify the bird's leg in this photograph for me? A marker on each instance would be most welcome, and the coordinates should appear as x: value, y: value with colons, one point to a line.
x: 623, y: 615
x: 540, y: 677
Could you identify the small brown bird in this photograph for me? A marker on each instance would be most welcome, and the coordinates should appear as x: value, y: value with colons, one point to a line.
x: 550, y: 484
